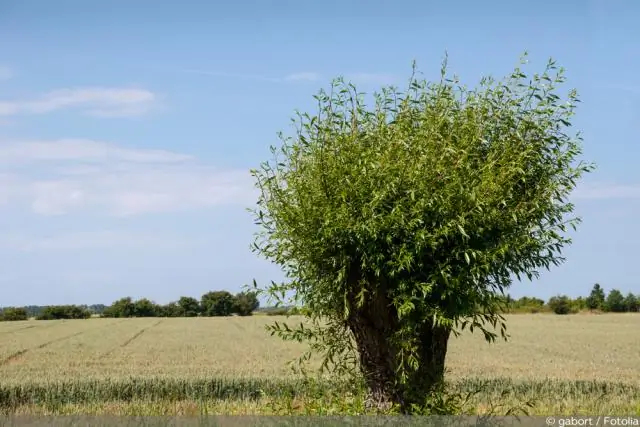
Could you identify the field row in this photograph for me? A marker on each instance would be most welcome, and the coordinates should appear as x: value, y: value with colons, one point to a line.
x: 584, y: 347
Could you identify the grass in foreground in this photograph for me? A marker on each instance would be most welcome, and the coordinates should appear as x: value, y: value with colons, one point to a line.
x: 159, y: 396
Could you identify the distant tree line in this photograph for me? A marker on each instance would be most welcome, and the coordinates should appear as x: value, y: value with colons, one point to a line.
x: 51, y: 312
x: 223, y: 303
x: 215, y: 303
x: 37, y: 311
x: 211, y: 304
x: 598, y: 300
x: 13, y: 313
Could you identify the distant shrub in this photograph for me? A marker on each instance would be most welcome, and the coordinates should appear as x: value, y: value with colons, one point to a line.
x: 145, y: 308
x: 294, y: 311
x: 56, y: 312
x: 124, y: 307
x: 632, y: 303
x: 561, y: 304
x: 280, y: 311
x: 299, y: 311
x: 245, y: 303
x: 524, y: 305
x: 10, y: 314
x: 188, y: 307
x: 169, y: 310
x: 596, y: 299
x: 305, y: 311
x: 579, y: 304
x: 615, y: 302
x: 218, y: 303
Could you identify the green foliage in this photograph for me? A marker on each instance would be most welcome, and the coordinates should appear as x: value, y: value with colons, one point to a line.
x: 13, y: 314
x: 632, y: 303
x: 281, y: 311
x: 298, y: 311
x: 424, y: 206
x: 145, y: 308
x: 217, y: 303
x: 189, y: 307
x: 36, y: 310
x: 169, y: 310
x: 561, y: 304
x: 525, y: 305
x: 304, y: 397
x: 615, y: 302
x: 445, y: 400
x: 220, y: 303
x: 124, y: 307
x: 595, y: 300
x: 56, y: 312
x: 245, y: 303
x: 578, y: 304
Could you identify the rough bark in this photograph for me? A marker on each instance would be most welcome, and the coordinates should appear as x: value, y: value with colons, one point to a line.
x: 373, y: 325
x: 430, y: 374
x: 372, y: 331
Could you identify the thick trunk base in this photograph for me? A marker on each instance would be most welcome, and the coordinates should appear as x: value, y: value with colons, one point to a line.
x: 430, y: 375
x: 373, y: 331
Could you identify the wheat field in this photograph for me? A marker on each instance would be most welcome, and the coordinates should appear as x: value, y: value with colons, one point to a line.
x: 564, y: 364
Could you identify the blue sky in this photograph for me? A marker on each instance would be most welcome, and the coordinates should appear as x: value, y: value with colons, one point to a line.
x: 127, y: 129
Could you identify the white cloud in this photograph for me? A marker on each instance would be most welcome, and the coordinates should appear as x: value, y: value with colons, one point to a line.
x: 5, y: 73
x: 84, y: 176
x: 606, y: 191
x: 93, y: 101
x: 303, y: 76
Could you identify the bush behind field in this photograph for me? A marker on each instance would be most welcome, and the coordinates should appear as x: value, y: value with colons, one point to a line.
x: 223, y: 303
x: 66, y: 312
x: 12, y: 314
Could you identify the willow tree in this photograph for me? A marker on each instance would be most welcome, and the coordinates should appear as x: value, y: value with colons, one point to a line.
x: 400, y: 224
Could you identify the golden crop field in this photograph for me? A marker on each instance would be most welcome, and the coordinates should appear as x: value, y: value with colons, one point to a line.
x: 564, y: 364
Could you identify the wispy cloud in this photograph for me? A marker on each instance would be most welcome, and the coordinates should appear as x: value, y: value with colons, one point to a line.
x: 82, y: 150
x: 607, y: 191
x: 301, y: 76
x: 213, y: 73
x: 306, y: 76
x: 93, y: 101
x: 372, y: 78
x: 85, y: 176
x: 5, y: 73
x: 92, y: 240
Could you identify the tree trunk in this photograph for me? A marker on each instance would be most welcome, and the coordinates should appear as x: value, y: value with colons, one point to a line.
x: 373, y: 325
x: 377, y: 361
x: 430, y: 374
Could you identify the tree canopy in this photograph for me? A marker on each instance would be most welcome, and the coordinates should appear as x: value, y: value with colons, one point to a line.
x: 400, y: 224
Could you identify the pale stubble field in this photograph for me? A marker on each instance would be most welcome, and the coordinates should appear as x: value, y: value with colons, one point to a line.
x: 566, y: 364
